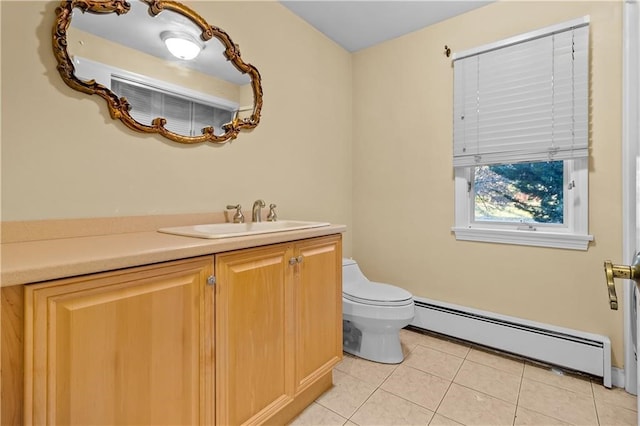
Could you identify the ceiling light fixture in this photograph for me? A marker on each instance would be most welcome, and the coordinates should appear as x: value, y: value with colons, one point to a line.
x: 181, y: 45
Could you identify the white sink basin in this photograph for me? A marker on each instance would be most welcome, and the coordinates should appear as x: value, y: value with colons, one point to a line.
x: 228, y: 230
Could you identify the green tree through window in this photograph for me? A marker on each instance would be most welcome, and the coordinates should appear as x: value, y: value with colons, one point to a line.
x: 521, y: 192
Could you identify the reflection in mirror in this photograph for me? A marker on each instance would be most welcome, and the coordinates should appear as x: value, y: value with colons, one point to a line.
x: 124, y: 53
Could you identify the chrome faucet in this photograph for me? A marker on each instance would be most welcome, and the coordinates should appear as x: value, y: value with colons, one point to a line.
x: 256, y: 213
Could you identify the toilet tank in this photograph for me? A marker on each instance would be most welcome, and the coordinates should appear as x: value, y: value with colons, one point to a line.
x: 351, y: 273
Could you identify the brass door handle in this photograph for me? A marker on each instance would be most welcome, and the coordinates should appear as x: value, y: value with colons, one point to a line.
x: 612, y: 271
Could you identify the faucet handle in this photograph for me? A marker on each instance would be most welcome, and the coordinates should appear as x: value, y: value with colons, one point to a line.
x: 238, y: 217
x: 272, y: 216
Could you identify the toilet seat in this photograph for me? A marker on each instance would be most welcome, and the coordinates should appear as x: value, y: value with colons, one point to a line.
x: 377, y: 294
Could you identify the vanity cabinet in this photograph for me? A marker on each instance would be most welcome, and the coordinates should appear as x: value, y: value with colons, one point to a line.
x: 164, y: 344
x: 128, y: 347
x: 278, y: 329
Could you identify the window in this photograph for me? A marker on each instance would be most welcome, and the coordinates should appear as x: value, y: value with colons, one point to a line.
x: 185, y: 116
x: 187, y: 111
x: 523, y: 193
x: 520, y: 149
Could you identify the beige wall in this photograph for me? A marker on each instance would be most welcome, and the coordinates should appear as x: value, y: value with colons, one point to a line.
x: 403, y: 177
x: 63, y: 156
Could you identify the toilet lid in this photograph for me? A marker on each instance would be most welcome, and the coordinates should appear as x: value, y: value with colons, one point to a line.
x: 372, y: 293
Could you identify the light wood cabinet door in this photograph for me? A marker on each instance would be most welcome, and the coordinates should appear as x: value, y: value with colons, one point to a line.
x: 254, y: 334
x: 318, y: 297
x: 278, y: 329
x: 127, y: 347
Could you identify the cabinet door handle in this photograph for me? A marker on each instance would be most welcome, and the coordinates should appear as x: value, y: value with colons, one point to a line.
x: 295, y: 260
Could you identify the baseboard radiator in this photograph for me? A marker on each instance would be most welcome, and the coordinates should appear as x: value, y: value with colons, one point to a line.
x: 562, y: 347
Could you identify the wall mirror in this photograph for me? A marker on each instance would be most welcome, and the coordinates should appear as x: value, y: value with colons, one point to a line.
x: 160, y: 67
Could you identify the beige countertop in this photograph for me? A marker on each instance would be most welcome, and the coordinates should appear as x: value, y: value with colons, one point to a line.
x: 33, y: 261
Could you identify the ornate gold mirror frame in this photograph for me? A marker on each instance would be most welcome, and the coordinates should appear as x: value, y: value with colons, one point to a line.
x: 119, y: 107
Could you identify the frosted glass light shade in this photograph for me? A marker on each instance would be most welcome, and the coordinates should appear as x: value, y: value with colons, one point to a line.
x: 181, y: 45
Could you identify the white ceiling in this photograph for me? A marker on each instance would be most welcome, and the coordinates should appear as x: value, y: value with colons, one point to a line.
x: 358, y: 24
x: 137, y: 30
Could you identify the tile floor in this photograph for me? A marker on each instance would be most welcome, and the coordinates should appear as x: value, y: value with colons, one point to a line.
x: 442, y: 382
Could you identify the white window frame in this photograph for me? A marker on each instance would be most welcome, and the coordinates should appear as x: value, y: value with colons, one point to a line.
x: 186, y: 124
x: 102, y: 73
x: 572, y: 234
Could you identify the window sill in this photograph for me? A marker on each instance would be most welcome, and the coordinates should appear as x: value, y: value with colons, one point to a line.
x: 525, y: 238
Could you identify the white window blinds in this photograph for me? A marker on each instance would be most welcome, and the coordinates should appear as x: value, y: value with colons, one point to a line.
x: 184, y: 116
x: 525, y: 100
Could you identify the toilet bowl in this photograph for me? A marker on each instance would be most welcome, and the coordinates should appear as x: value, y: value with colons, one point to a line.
x: 372, y: 316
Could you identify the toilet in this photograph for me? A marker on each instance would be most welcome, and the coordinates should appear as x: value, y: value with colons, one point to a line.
x: 372, y: 316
